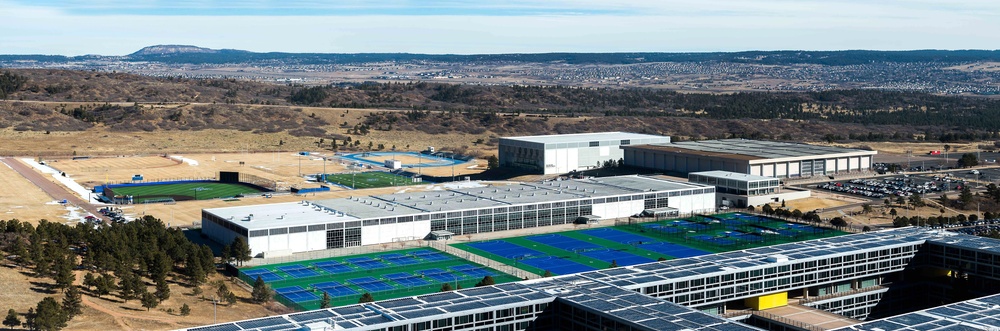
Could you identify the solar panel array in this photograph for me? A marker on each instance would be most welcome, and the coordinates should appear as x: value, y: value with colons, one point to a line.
x: 605, y: 292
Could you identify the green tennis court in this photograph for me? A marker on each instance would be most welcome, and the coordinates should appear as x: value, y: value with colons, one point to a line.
x: 184, y: 191
x: 385, y: 275
x: 371, y: 179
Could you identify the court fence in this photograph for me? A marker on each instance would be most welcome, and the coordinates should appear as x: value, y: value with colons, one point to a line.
x: 336, y: 252
x: 493, y: 264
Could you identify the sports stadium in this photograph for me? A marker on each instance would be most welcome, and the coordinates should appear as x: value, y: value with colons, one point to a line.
x: 226, y: 185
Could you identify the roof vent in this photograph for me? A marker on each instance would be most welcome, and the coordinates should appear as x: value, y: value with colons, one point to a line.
x: 776, y: 258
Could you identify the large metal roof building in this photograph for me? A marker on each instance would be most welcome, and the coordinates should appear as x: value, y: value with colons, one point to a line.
x: 563, y: 153
x: 754, y: 157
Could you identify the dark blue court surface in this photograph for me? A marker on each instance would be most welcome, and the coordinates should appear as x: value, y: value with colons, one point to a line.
x: 296, y: 294
x: 556, y: 265
x: 333, y: 267
x: 619, y: 236
x: 664, y: 228
x: 298, y: 271
x: 265, y: 275
x: 406, y: 279
x: 439, y: 275
x: 430, y: 256
x: 506, y: 249
x: 367, y: 263
x: 674, y: 250
x: 370, y: 284
x: 335, y: 289
x: 563, y: 242
x: 471, y: 270
x: 399, y: 259
x: 619, y: 257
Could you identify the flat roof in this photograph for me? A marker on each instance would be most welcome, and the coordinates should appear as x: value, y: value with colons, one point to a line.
x: 731, y: 175
x: 412, y: 203
x: 278, y: 215
x: 976, y: 314
x: 750, y: 149
x: 584, y: 137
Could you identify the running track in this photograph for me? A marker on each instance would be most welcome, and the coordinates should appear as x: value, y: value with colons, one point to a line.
x: 52, y: 189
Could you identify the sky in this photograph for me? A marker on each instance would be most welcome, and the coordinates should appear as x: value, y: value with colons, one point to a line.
x: 119, y: 27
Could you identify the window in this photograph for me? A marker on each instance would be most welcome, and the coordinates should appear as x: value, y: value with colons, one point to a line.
x: 595, y: 143
x: 626, y: 142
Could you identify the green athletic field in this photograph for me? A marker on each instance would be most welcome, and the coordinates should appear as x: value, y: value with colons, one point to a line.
x: 184, y: 191
x: 355, y: 271
x: 370, y: 179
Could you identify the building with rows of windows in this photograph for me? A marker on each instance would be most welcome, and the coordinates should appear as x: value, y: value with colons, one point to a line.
x: 563, y: 153
x: 754, y: 157
x: 852, y: 275
x: 740, y: 190
x: 283, y: 228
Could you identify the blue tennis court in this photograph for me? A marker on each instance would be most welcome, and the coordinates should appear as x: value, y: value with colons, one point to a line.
x: 557, y: 266
x: 265, y: 275
x: 691, y: 225
x: 335, y: 289
x: 430, y: 256
x: 333, y: 267
x: 664, y: 228
x: 506, y: 249
x: 674, y: 250
x: 406, y: 279
x: 399, y: 259
x: 367, y: 263
x: 439, y: 275
x: 747, y: 237
x: 296, y: 294
x: 298, y: 271
x: 619, y: 257
x: 563, y: 242
x: 471, y: 270
x: 714, y: 240
x: 618, y: 236
x: 371, y: 284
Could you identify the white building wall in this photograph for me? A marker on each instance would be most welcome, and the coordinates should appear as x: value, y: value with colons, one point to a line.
x: 316, y: 240
x: 377, y: 234
x: 277, y: 242
x: 831, y: 165
x: 698, y: 203
x: 618, y: 209
x: 258, y: 245
x: 298, y: 242
x: 794, y: 169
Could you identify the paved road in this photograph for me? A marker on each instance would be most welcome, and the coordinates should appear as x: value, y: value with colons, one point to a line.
x: 52, y: 189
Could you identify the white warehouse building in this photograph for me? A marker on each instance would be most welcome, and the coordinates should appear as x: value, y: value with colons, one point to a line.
x: 753, y: 157
x: 285, y: 228
x: 562, y: 153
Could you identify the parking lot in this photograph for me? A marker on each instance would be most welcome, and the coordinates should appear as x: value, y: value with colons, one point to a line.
x: 903, y: 185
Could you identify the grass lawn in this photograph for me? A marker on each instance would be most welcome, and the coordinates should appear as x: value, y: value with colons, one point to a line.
x: 184, y: 191
x: 373, y: 179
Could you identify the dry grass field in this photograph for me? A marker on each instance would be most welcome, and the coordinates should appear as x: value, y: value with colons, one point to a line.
x: 24, y: 201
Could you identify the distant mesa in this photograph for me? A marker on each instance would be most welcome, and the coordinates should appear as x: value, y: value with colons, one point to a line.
x: 173, y: 49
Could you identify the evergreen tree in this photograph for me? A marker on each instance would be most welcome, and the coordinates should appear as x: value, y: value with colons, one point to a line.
x: 367, y: 297
x: 12, y: 320
x: 223, y: 292
x: 64, y: 276
x: 487, y: 281
x: 29, y: 319
x: 261, y: 292
x: 89, y: 281
x: 162, y: 289
x: 149, y: 300
x: 73, y: 302
x: 185, y: 310
x: 240, y: 250
x: 325, y: 303
x: 226, y: 253
x: 492, y: 162
x: 661, y: 259
x: 446, y: 287
x: 49, y: 315
x: 965, y: 198
x: 547, y: 274
x: 614, y: 264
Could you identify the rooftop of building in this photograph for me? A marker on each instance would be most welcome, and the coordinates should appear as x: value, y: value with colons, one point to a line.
x: 976, y: 314
x: 750, y: 149
x: 412, y: 203
x: 731, y: 175
x: 585, y: 137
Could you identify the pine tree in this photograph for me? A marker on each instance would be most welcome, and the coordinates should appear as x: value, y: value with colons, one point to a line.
x: 64, y: 276
x: 240, y: 250
x: 614, y: 264
x: 487, y: 281
x: 162, y: 289
x: 185, y: 310
x: 325, y: 303
x: 12, y: 319
x: 49, y: 315
x: 445, y: 287
x: 29, y: 319
x: 261, y: 292
x: 367, y: 297
x: 73, y: 302
x: 223, y: 292
x: 547, y: 274
x: 149, y: 300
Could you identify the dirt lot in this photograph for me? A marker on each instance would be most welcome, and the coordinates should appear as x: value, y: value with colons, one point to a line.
x: 24, y: 201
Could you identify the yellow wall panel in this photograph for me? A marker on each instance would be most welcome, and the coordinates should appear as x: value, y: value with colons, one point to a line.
x: 767, y: 301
